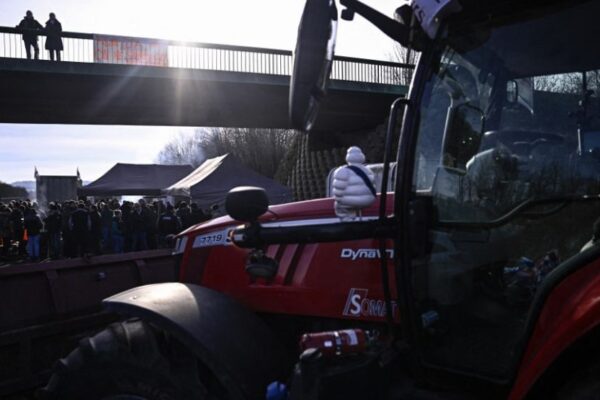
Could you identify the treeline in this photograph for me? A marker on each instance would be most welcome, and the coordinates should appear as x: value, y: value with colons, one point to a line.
x: 9, y: 192
x: 259, y: 149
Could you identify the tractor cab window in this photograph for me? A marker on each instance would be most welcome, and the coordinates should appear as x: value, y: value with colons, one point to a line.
x: 508, y: 150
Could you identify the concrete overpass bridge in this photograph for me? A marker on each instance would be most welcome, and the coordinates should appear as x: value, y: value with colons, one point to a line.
x: 116, y: 80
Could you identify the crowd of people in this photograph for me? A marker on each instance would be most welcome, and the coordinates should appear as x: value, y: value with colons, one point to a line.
x: 80, y: 228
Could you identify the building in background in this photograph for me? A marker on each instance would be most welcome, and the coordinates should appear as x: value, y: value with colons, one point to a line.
x: 56, y: 187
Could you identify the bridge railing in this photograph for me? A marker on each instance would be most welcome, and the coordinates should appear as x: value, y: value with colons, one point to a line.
x: 78, y: 47
x: 94, y: 48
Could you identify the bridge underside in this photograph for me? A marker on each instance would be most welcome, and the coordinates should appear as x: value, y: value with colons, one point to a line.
x: 105, y: 94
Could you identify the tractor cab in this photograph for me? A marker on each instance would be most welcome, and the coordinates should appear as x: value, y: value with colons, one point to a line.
x: 506, y: 130
x: 497, y: 183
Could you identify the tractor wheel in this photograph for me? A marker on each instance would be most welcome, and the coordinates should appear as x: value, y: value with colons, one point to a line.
x: 131, y: 360
x: 584, y: 385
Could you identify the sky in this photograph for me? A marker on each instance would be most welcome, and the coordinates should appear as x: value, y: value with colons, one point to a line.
x: 61, y: 149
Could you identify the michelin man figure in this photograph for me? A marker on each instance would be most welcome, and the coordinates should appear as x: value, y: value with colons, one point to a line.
x: 353, y: 187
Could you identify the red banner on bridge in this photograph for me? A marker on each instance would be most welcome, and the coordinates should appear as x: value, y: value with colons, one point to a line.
x: 121, y: 50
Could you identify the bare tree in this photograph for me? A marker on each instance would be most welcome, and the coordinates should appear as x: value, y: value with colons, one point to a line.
x: 571, y: 83
x: 561, y: 83
x: 184, y: 149
x: 406, y: 56
x: 260, y: 149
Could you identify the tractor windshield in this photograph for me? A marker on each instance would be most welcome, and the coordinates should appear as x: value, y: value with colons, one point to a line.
x: 508, y: 150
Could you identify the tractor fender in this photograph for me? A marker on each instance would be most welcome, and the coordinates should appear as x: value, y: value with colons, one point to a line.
x: 566, y: 310
x: 231, y: 341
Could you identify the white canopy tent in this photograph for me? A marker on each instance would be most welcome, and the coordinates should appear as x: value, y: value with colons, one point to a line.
x: 209, y: 183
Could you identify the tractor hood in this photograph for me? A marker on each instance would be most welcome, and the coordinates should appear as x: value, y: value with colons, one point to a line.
x: 301, y: 210
x: 216, y: 231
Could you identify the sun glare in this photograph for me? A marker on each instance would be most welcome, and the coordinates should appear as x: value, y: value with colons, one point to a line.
x: 197, y: 21
x: 266, y: 23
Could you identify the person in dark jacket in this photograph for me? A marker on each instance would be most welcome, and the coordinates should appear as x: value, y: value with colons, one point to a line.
x: 54, y: 43
x: 126, y: 210
x: 197, y: 214
x: 53, y: 224
x: 69, y: 247
x: 30, y: 37
x: 95, y: 230
x: 15, y: 221
x: 34, y: 226
x: 137, y: 223
x: 4, y: 230
x: 106, y: 217
x: 117, y: 238
x: 184, y: 214
x: 81, y: 226
x: 168, y: 224
x: 150, y: 219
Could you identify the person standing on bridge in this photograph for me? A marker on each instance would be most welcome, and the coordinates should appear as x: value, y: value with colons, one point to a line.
x: 30, y: 36
x: 54, y: 43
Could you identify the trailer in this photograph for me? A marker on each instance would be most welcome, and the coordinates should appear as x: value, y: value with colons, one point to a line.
x: 46, y: 308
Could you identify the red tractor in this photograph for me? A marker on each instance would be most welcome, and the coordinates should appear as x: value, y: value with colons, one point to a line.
x: 478, y: 278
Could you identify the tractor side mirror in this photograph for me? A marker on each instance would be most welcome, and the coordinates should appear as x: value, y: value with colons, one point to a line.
x: 246, y: 203
x: 313, y: 58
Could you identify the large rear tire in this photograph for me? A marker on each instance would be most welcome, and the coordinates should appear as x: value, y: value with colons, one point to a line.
x: 131, y: 360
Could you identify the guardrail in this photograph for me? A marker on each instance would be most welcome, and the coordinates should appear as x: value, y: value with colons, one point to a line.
x: 94, y: 48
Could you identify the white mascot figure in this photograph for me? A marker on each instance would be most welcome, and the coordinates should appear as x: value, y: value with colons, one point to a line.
x: 353, y: 187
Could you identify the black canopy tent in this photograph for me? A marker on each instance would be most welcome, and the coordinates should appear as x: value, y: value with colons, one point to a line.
x: 209, y: 183
x: 135, y: 180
